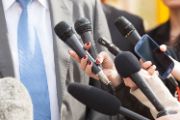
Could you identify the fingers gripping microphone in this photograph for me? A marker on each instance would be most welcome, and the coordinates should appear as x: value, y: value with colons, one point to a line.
x: 65, y: 32
x: 127, y: 65
x: 100, y: 100
x: 110, y: 46
x: 127, y: 30
x: 84, y: 28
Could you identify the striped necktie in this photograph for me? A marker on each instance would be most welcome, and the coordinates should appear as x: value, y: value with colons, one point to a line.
x: 32, y: 68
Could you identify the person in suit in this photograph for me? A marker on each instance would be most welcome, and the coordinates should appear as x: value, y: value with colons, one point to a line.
x: 168, y: 33
x: 31, y: 52
x: 112, y: 14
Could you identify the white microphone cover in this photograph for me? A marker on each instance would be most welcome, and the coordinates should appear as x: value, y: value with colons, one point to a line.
x: 15, y: 101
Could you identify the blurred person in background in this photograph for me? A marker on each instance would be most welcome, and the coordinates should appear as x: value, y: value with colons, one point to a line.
x: 31, y: 52
x: 168, y: 33
x: 112, y: 14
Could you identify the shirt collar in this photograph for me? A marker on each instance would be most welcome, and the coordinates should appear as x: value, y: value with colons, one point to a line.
x: 9, y: 3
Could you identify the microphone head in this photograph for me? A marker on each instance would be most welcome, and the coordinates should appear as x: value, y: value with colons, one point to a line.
x: 127, y: 64
x: 82, y: 25
x: 95, y: 98
x: 124, y: 26
x: 63, y: 30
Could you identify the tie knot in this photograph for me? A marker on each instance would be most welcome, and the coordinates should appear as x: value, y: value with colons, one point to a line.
x: 24, y: 3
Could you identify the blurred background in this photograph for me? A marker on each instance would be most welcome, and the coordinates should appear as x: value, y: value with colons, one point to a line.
x: 153, y: 12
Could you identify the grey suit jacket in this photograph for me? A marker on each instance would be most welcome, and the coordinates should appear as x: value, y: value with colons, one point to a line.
x: 67, y: 70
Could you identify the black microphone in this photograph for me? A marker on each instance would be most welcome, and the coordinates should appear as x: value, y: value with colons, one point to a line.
x: 100, y: 101
x: 84, y: 28
x: 127, y: 65
x: 66, y: 34
x: 127, y: 30
x: 110, y: 46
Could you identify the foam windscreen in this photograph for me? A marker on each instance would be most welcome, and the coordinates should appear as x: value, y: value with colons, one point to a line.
x: 127, y: 64
x: 95, y: 98
x: 63, y: 30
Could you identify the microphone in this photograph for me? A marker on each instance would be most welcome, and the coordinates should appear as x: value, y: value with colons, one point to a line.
x: 100, y: 101
x: 126, y: 28
x: 67, y: 35
x: 110, y: 46
x: 84, y: 28
x: 127, y: 65
x: 15, y: 101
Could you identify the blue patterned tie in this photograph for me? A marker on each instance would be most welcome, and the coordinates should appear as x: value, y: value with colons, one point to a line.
x: 31, y: 67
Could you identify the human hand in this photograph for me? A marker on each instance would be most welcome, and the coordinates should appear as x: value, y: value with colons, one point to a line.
x: 102, y: 59
x: 148, y: 69
x: 176, y: 70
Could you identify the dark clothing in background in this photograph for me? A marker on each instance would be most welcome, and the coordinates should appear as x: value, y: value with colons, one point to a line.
x: 111, y: 15
x: 161, y: 35
x: 128, y: 100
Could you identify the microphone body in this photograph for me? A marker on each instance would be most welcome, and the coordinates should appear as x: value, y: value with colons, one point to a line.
x: 66, y: 34
x: 86, y: 36
x: 15, y: 101
x: 126, y: 28
x: 84, y: 28
x: 133, y: 37
x: 100, y: 101
x: 146, y: 89
x: 127, y: 65
x: 110, y: 46
x: 75, y: 44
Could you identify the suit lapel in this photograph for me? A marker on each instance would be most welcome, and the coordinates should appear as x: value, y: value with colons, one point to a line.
x: 60, y: 12
x: 6, y: 65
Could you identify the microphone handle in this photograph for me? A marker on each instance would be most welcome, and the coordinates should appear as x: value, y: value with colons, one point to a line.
x: 87, y: 37
x: 75, y: 44
x: 133, y: 36
x: 145, y: 88
x: 113, y: 49
x: 131, y: 114
x: 110, y: 46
